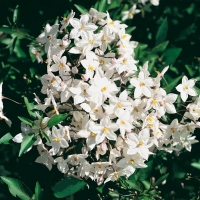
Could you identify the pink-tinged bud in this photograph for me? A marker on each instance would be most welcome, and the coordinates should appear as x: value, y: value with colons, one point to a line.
x: 69, y: 64
x: 162, y: 103
x: 128, y: 130
x: 100, y: 180
x: 74, y: 70
x: 84, y: 150
x: 103, y: 147
x: 113, y: 61
x: 84, y: 77
x: 158, y: 116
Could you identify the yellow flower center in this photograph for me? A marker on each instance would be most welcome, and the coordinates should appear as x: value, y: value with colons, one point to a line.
x: 119, y: 105
x: 154, y: 102
x: 105, y: 130
x: 90, y: 41
x: 124, y: 36
x: 124, y: 61
x: 103, y: 89
x: 111, y: 23
x: 82, y: 28
x: 56, y: 139
x: 65, y: 19
x: 150, y: 125
x: 91, y: 68
x: 75, y: 158
x: 136, y: 110
x: 185, y: 87
x: 61, y: 65
x: 130, y: 15
x: 142, y: 84
x: 123, y: 122
x: 131, y: 162
x: 52, y: 80
x: 104, y: 38
x: 53, y: 111
x: 99, y: 165
x: 95, y: 110
x: 150, y: 119
x: 92, y: 134
x: 102, y: 62
x: 116, y: 175
x: 84, y: 91
x: 141, y: 143
x: 172, y: 130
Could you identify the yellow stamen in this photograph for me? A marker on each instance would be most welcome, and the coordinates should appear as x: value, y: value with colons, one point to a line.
x: 150, y: 125
x: 79, y: 127
x: 154, y: 102
x: 53, y: 111
x: 142, y: 84
x: 136, y: 110
x: 116, y: 175
x: 91, y: 68
x: 124, y: 36
x: 130, y: 15
x: 185, y: 87
x: 111, y: 23
x: 103, y: 89
x: 172, y: 130
x: 131, y: 162
x: 119, y: 105
x: 102, y: 62
x: 52, y: 80
x: 92, y: 134
x: 75, y: 158
x: 100, y: 165
x: 124, y: 61
x: 61, y: 65
x: 84, y: 91
x: 56, y: 139
x: 65, y: 19
x: 104, y: 38
x: 82, y: 28
x: 95, y: 110
x: 105, y: 130
x: 150, y: 119
x: 141, y: 143
x: 90, y: 41
x: 123, y: 122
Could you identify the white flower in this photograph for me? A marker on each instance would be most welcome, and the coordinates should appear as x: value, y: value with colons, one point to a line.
x: 186, y: 88
x: 142, y: 85
x: 130, y: 13
x: 66, y: 20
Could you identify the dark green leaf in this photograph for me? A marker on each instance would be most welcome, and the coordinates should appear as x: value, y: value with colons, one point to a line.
x: 144, y: 173
x: 16, y: 14
x: 56, y: 119
x: 162, y: 32
x: 190, y: 70
x: 26, y: 121
x: 114, y: 4
x: 129, y: 30
x: 100, y: 188
x: 30, y: 107
x: 67, y: 187
x: 12, y: 44
x: 7, y: 30
x: 160, y: 180
x: 6, y: 138
x: 161, y: 47
x: 17, y: 188
x: 103, y: 6
x: 96, y: 6
x: 45, y: 136
x: 81, y: 9
x: 174, y: 83
x: 27, y: 142
x: 170, y: 55
x: 38, y: 192
x: 135, y: 185
x: 196, y: 165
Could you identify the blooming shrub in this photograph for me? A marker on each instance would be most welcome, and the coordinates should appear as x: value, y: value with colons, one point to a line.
x: 102, y: 116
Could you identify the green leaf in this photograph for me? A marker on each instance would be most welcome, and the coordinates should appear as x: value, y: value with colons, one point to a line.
x: 7, y: 30
x: 16, y: 14
x: 17, y: 188
x: 56, y: 119
x: 160, y: 180
x: 27, y: 142
x: 161, y: 47
x: 103, y: 6
x: 114, y: 4
x: 170, y: 55
x: 11, y: 46
x: 100, y: 188
x: 81, y: 9
x: 30, y: 107
x: 129, y: 30
x: 67, y: 187
x: 196, y: 165
x: 190, y: 70
x: 38, y: 192
x: 26, y: 121
x: 174, y: 83
x: 144, y: 173
x: 6, y: 138
x: 96, y: 6
x: 45, y: 136
x: 162, y: 32
x: 135, y: 185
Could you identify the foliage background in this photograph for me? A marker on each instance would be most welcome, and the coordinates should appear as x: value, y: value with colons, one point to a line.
x: 21, y: 77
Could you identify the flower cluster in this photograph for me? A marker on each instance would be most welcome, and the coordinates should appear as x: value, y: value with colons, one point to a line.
x: 136, y: 8
x: 116, y: 108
